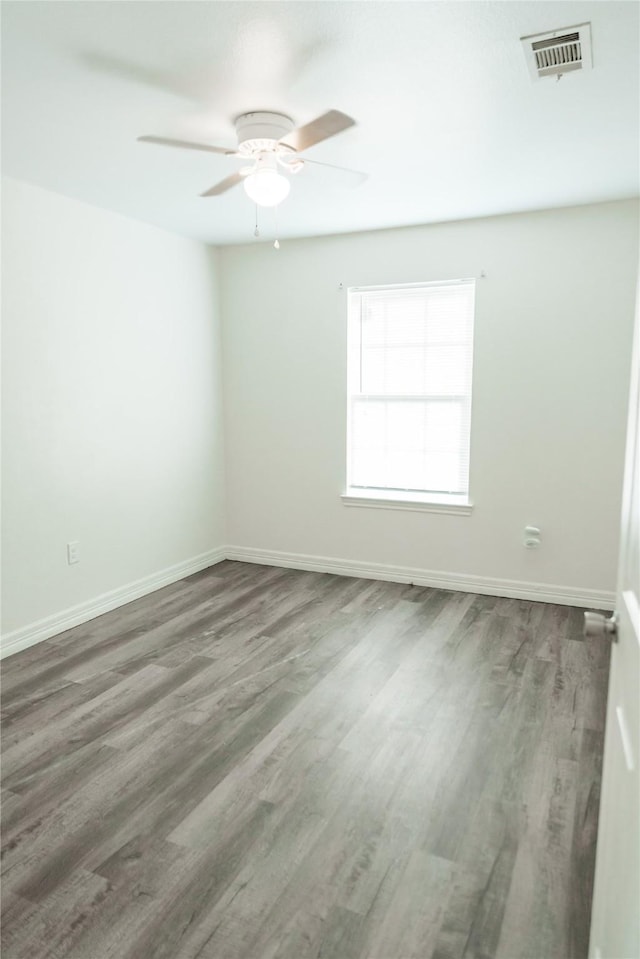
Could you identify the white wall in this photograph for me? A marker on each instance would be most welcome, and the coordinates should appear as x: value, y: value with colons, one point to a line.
x: 112, y: 427
x: 551, y: 372
x: 112, y: 405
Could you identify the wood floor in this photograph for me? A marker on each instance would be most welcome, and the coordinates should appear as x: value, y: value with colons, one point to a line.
x: 257, y: 763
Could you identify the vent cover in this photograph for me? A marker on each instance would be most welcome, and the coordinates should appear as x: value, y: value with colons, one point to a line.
x: 562, y: 51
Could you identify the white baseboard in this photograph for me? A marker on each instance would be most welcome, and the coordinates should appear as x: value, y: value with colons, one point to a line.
x: 516, y: 589
x: 512, y: 588
x: 75, y: 615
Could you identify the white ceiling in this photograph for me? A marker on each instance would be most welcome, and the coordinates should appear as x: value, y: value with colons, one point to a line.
x: 449, y: 123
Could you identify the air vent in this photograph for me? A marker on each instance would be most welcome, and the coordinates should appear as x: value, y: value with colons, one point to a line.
x: 563, y: 51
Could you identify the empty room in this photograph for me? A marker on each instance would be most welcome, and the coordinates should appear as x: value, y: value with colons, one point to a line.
x: 320, y: 496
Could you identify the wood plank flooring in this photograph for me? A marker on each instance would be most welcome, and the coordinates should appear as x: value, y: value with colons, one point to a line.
x: 257, y: 763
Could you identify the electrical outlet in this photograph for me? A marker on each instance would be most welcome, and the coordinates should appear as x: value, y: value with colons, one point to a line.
x: 531, y: 537
x: 73, y: 553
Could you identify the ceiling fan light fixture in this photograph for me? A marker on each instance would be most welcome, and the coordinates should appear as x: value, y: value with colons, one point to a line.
x: 266, y: 187
x: 268, y: 141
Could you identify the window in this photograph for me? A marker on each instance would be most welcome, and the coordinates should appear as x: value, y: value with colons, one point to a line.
x: 409, y: 395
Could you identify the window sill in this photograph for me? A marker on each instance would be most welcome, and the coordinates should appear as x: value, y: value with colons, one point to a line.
x: 455, y: 505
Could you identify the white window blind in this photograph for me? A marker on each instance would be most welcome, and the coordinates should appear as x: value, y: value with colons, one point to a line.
x: 409, y: 386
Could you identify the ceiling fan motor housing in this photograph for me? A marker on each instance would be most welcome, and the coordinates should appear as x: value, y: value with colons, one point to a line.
x: 258, y: 132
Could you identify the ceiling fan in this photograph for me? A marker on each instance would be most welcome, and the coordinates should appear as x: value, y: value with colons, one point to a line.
x: 270, y: 144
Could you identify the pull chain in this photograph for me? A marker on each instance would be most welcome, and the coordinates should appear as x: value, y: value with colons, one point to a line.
x: 276, y: 242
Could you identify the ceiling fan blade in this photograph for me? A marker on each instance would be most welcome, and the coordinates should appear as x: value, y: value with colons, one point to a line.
x: 319, y: 129
x: 186, y: 145
x: 224, y: 185
x: 357, y: 176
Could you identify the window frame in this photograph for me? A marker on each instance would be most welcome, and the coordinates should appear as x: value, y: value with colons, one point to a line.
x: 406, y: 499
